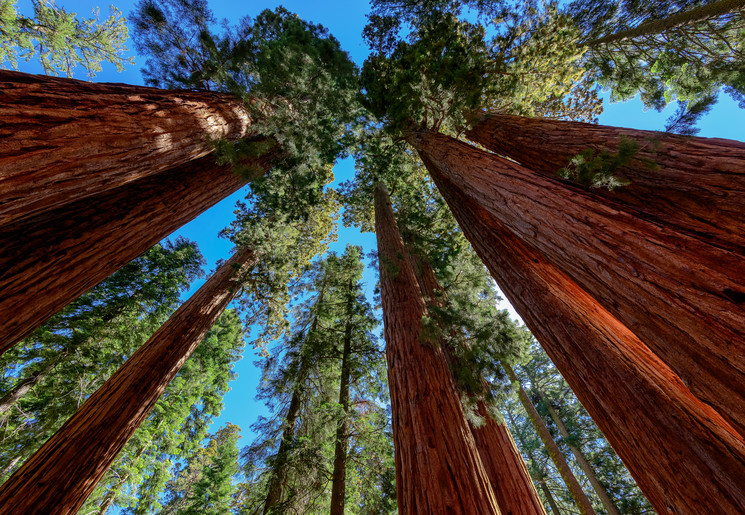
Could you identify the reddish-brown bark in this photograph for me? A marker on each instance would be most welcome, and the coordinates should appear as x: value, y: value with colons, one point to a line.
x: 65, y: 139
x: 502, y: 461
x: 683, y: 455
x: 438, y: 468
x: 697, y: 185
x: 683, y: 297
x: 62, y: 473
x: 48, y: 261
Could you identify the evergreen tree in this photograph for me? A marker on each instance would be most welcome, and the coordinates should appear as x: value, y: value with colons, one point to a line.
x: 50, y: 375
x: 60, y: 40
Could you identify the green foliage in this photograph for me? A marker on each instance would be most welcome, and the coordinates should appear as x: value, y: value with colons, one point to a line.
x: 300, y: 385
x: 601, y: 169
x: 178, y: 422
x: 78, y: 349
x: 297, y: 83
x: 60, y: 40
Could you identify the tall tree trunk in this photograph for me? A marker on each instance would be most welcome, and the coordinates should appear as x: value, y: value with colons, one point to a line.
x: 609, y: 505
x: 49, y: 261
x: 575, y: 489
x: 65, y: 139
x: 695, y: 15
x: 682, y: 454
x: 24, y: 386
x: 438, y: 468
x: 62, y: 473
x: 696, y: 185
x: 683, y: 297
x: 339, y: 477
x: 279, y: 474
x: 540, y: 480
x: 502, y: 461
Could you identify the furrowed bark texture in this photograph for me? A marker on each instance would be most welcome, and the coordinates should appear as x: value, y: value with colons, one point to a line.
x: 575, y: 489
x: 600, y: 490
x: 698, y: 185
x: 502, y: 461
x: 49, y: 261
x: 438, y: 468
x: 682, y: 454
x: 65, y: 139
x: 63, y: 472
x: 683, y: 297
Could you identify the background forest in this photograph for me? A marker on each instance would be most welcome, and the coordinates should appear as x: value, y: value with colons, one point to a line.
x: 285, y: 406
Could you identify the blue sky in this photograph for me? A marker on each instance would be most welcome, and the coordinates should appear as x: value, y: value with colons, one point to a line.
x: 345, y: 20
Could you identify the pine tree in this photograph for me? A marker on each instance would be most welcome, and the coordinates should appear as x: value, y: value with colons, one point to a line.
x: 60, y: 40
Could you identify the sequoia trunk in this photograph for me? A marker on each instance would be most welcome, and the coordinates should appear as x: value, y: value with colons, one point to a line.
x: 65, y: 139
x: 513, y: 487
x: 49, y: 261
x: 438, y: 468
x: 683, y: 297
x: 682, y: 454
x: 696, y: 185
x: 63, y: 472
x: 580, y: 499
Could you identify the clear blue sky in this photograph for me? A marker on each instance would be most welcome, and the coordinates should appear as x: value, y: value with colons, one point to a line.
x: 345, y: 20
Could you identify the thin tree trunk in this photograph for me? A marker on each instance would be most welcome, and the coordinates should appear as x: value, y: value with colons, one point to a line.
x: 339, y: 477
x: 684, y: 298
x: 695, y: 15
x: 502, y: 461
x: 49, y: 261
x: 108, y: 501
x: 682, y: 454
x: 62, y: 473
x: 609, y: 505
x: 279, y: 474
x: 24, y: 386
x: 693, y: 184
x: 540, y: 480
x: 575, y: 489
x: 438, y: 468
x: 65, y: 139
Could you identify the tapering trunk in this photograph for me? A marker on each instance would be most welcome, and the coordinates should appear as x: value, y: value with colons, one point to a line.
x: 65, y: 139
x: 541, y: 481
x: 684, y: 298
x: 62, y: 473
x: 279, y: 473
x: 551, y: 501
x: 692, y: 16
x: 24, y: 386
x: 575, y: 489
x: 502, y: 461
x: 438, y: 468
x: 682, y: 454
x: 108, y: 500
x: 608, y: 504
x: 48, y: 261
x: 339, y: 477
x: 696, y: 185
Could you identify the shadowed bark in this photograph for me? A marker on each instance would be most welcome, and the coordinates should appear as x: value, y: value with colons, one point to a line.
x: 683, y: 297
x: 682, y: 454
x: 50, y: 260
x: 64, y: 471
